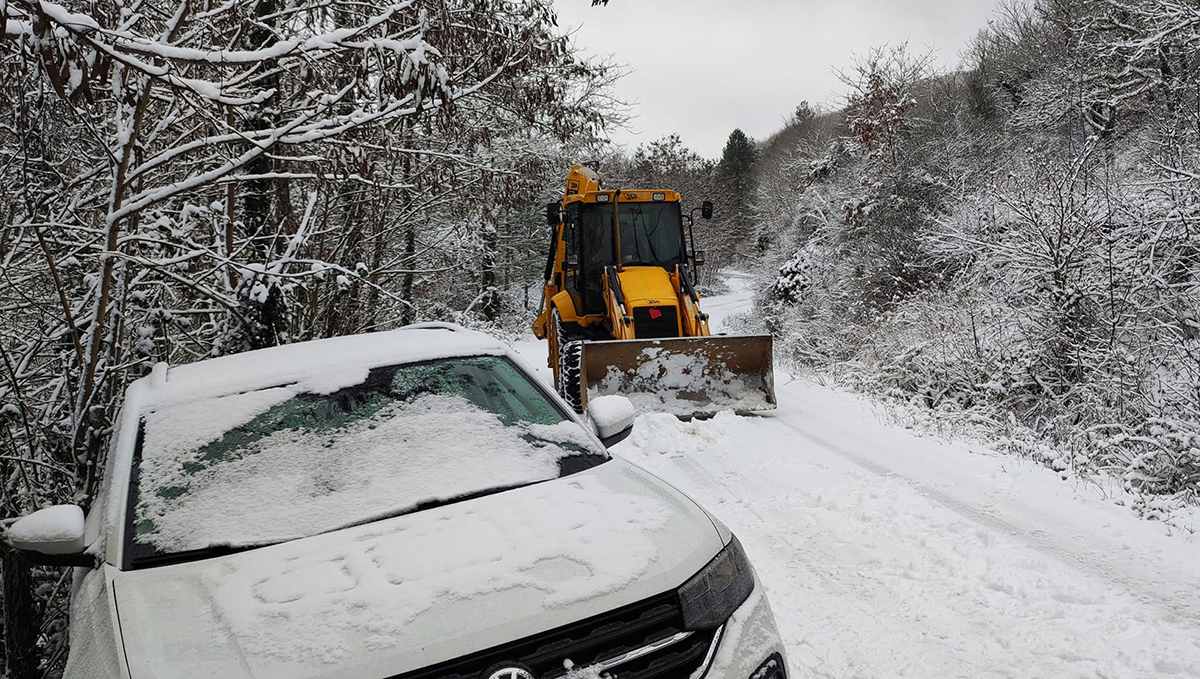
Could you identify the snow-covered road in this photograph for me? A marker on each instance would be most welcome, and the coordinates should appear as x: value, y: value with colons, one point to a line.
x: 891, y: 555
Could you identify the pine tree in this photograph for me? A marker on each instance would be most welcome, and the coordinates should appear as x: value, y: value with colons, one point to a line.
x: 737, y: 167
x: 804, y: 113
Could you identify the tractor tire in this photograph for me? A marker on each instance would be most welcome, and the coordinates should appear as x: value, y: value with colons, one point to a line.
x: 570, y: 356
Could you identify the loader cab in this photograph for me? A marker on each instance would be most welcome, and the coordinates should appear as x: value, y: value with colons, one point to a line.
x: 650, y: 234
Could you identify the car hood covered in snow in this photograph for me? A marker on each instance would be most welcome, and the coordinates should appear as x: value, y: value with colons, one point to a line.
x: 404, y: 593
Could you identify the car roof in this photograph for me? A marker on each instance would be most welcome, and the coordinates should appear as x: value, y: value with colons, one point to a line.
x: 323, y: 360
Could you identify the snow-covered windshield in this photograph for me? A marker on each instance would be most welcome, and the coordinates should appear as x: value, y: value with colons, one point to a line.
x: 288, y: 462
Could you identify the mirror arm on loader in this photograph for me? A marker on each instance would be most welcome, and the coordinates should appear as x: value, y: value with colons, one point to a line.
x: 617, y: 231
x: 614, y: 283
x: 687, y: 286
x: 550, y: 256
x: 691, y: 232
x: 691, y: 291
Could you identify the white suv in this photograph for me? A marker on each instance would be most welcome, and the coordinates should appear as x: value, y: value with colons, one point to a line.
x: 410, y: 504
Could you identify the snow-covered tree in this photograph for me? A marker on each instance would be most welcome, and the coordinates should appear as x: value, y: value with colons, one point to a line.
x: 180, y: 180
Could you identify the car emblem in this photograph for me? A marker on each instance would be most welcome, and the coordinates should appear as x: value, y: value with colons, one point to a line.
x: 509, y: 672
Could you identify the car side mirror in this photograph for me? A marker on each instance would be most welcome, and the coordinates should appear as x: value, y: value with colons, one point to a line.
x: 52, y: 537
x: 706, y: 209
x: 698, y: 257
x: 612, y: 418
x: 553, y: 214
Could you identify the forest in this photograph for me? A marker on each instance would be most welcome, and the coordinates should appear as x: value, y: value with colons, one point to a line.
x: 1010, y: 248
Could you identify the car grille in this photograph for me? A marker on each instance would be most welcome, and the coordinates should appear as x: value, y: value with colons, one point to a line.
x: 642, y: 641
x: 647, y: 327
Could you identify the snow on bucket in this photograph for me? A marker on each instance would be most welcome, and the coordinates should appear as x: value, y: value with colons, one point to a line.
x: 687, y: 376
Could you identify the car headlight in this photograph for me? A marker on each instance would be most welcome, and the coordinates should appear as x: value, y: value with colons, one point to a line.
x: 713, y: 594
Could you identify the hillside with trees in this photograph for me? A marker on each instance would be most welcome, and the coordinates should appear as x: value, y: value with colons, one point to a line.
x: 1013, y: 248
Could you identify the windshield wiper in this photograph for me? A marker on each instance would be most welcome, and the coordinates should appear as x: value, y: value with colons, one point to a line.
x: 650, y: 238
x: 215, y: 550
x: 430, y: 504
x: 640, y: 226
x: 209, y: 552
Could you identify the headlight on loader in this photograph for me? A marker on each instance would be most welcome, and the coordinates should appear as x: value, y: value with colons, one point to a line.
x: 713, y: 594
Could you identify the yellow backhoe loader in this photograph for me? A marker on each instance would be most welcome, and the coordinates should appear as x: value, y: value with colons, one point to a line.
x: 621, y: 313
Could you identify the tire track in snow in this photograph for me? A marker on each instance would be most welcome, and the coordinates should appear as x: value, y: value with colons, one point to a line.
x: 1174, y: 592
x: 1180, y: 603
x: 785, y: 566
x: 871, y: 576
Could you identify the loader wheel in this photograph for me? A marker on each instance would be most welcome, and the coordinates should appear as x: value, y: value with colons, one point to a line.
x: 569, y: 357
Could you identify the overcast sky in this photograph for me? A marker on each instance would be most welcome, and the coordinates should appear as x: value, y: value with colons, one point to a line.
x: 704, y: 67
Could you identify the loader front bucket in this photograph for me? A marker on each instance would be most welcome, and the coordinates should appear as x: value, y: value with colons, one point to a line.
x: 686, y: 376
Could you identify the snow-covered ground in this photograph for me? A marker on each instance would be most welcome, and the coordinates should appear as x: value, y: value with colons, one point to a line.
x: 886, y: 554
